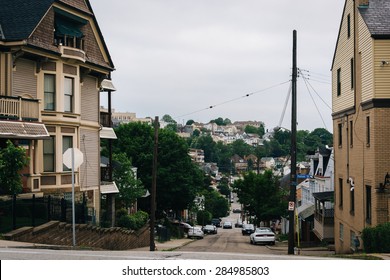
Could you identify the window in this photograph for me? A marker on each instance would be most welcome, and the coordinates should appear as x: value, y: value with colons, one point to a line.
x: 67, y: 142
x: 340, y: 192
x: 340, y: 133
x: 341, y: 232
x: 349, y: 25
x: 339, y: 82
x: 49, y: 92
x: 351, y: 133
x: 368, y: 131
x: 49, y: 155
x: 368, y: 205
x: 68, y: 95
x: 352, y: 74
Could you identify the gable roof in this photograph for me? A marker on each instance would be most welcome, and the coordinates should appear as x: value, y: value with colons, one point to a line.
x: 376, y: 15
x: 19, y: 19
x: 29, y: 13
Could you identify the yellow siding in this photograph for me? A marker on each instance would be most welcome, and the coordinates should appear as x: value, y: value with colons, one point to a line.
x: 382, y: 72
x: 366, y: 55
x: 344, y: 53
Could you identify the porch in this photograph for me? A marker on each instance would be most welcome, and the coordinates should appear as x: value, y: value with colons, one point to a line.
x: 19, y: 108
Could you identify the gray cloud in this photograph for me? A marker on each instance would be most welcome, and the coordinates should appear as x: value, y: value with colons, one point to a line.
x: 179, y: 56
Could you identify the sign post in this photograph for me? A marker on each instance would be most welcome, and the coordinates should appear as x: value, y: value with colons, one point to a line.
x: 73, y: 158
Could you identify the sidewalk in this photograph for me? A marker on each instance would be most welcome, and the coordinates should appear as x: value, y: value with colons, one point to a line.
x: 161, y: 246
x: 167, y: 245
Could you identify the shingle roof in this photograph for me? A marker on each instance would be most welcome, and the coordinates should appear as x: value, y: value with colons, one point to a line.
x: 18, y: 18
x: 377, y: 17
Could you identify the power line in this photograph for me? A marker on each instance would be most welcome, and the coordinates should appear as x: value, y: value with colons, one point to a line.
x: 315, y: 104
x: 232, y: 100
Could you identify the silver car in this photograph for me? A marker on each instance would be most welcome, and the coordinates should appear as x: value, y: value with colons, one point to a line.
x: 195, y: 232
x: 263, y: 235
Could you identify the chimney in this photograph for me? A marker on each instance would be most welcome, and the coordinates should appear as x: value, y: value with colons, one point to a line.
x: 363, y: 2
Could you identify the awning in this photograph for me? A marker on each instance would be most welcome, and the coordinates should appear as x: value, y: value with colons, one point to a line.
x: 108, y: 188
x: 67, y: 27
x: 107, y: 133
x: 324, y: 196
x: 306, y: 210
x: 23, y: 130
x: 107, y: 85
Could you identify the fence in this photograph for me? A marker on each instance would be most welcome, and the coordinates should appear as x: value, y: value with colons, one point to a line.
x: 16, y: 212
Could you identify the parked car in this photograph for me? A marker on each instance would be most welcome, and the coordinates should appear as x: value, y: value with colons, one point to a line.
x: 238, y: 224
x: 210, y: 229
x: 236, y: 210
x: 247, y: 229
x: 195, y: 232
x: 216, y: 222
x: 263, y: 235
x: 227, y: 224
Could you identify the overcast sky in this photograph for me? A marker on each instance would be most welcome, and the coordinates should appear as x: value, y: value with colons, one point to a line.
x: 179, y: 57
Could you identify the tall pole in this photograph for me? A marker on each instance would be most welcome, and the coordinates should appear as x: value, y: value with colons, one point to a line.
x: 73, y: 204
x: 293, y: 151
x: 154, y: 184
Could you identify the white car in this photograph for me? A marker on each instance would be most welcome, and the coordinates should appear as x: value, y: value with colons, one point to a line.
x: 195, y: 232
x: 263, y: 235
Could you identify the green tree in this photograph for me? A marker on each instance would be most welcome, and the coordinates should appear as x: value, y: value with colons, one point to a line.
x: 171, y: 123
x: 215, y: 203
x: 178, y: 178
x: 12, y: 160
x: 203, y: 217
x: 218, y: 121
x: 241, y: 148
x: 261, y: 196
x: 189, y: 122
x: 130, y: 188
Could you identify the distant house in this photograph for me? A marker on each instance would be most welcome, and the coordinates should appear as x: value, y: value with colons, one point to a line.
x: 267, y: 162
x: 197, y: 155
x: 240, y: 165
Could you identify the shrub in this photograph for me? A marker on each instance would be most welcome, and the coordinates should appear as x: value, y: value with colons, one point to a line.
x: 377, y: 239
x: 134, y: 221
x: 120, y: 212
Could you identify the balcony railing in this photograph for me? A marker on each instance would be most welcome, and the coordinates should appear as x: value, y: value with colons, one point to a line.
x: 73, y: 53
x: 19, y: 108
x: 105, y: 119
x: 326, y: 218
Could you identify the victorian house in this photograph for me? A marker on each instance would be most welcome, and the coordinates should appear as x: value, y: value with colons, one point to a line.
x: 53, y: 65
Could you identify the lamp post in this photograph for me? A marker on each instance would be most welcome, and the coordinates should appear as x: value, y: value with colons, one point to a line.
x: 293, y: 151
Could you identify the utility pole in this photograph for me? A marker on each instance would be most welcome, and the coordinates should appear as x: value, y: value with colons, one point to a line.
x: 154, y: 183
x: 293, y: 151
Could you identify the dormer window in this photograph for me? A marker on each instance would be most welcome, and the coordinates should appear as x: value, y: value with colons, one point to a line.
x: 68, y: 30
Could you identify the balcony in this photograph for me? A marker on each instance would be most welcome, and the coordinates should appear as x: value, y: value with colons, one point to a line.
x: 72, y: 53
x: 18, y: 108
x: 105, y: 119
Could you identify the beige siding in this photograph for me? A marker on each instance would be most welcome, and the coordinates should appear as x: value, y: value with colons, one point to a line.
x: 344, y: 53
x: 24, y: 79
x: 366, y: 56
x: 90, y: 100
x: 382, y: 72
x: 90, y: 168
